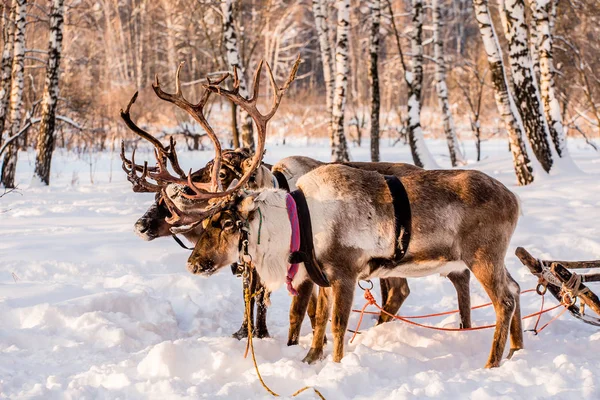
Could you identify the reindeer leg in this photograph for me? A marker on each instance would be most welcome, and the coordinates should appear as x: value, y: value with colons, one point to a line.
x: 242, y: 333
x: 312, y: 312
x: 460, y: 280
x: 516, y: 325
x: 298, y: 309
x: 494, y: 278
x: 323, y: 305
x: 384, y: 287
x: 343, y: 296
x: 262, y: 300
x: 397, y: 292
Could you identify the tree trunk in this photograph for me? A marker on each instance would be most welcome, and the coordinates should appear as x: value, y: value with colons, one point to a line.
x: 420, y: 153
x: 504, y: 100
x: 544, y: 13
x: 456, y: 156
x: 322, y: 28
x: 526, y: 92
x: 9, y: 165
x: 9, y: 42
x: 45, y: 142
x: 233, y: 59
x: 339, y: 150
x: 374, y: 77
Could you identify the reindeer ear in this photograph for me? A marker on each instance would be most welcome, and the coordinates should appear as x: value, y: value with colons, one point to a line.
x: 248, y: 203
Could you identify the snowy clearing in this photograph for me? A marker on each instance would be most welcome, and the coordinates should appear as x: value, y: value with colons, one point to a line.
x: 90, y: 311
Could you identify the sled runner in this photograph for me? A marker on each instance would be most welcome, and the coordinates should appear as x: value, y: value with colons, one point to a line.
x: 566, y: 286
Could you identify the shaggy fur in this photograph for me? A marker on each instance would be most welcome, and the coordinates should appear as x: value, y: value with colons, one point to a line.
x: 460, y: 218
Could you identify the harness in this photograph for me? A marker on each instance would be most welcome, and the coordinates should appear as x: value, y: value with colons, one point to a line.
x: 301, y: 244
x: 402, y: 216
x: 282, y: 182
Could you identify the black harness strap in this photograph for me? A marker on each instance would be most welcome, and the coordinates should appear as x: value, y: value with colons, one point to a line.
x: 402, y: 215
x: 179, y: 242
x: 281, y: 181
x: 306, y: 254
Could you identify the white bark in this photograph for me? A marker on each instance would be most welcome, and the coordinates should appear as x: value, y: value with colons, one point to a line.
x: 525, y: 86
x: 375, y: 18
x: 233, y: 59
x: 5, y: 66
x: 504, y: 100
x: 456, y: 156
x: 420, y: 153
x: 339, y: 150
x: 16, y: 94
x: 322, y: 28
x: 45, y: 142
x: 543, y: 12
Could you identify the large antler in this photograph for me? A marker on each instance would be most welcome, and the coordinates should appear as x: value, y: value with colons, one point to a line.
x: 261, y: 120
x: 162, y: 151
x: 196, y: 111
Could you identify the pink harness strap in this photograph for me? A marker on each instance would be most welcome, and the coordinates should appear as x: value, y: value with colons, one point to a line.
x: 294, y: 241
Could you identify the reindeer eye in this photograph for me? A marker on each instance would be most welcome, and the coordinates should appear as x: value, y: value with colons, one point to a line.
x: 222, y: 174
x: 228, y: 224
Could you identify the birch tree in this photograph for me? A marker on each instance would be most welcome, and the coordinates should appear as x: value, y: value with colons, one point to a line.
x: 375, y: 18
x: 234, y: 61
x: 45, y: 141
x: 414, y: 78
x: 456, y: 156
x: 9, y: 36
x: 504, y: 100
x: 339, y: 150
x: 16, y: 94
x: 322, y: 27
x: 525, y: 87
x: 544, y: 14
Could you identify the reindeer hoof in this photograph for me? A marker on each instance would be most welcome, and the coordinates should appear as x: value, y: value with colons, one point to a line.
x: 261, y: 333
x: 512, y: 352
x: 313, y: 356
x: 494, y: 364
x: 241, y: 334
x: 292, y: 342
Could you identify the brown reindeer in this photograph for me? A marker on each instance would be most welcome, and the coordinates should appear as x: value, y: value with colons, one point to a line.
x: 460, y: 220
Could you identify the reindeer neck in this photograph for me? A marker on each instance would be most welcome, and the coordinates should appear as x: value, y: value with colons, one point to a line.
x: 270, y: 234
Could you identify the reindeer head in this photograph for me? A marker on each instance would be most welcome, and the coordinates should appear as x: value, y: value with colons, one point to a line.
x: 223, y: 233
x: 225, y: 212
x: 180, y: 208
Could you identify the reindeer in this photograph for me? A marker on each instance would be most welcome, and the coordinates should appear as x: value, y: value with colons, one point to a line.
x: 161, y: 220
x: 461, y: 220
x: 158, y: 220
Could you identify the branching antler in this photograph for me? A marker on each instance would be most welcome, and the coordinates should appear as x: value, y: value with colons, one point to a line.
x: 196, y: 111
x: 261, y: 120
x: 159, y: 173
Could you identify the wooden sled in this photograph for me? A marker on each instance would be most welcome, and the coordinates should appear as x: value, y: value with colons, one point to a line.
x: 566, y: 286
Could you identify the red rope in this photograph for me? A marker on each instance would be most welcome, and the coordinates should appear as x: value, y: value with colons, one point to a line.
x: 371, y: 301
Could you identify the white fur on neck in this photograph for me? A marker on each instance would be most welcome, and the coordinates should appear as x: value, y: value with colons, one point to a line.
x: 270, y: 256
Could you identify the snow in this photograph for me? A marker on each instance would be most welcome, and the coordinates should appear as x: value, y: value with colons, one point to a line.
x: 94, y: 312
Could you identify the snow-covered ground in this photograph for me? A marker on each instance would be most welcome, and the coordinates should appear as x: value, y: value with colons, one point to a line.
x: 90, y: 311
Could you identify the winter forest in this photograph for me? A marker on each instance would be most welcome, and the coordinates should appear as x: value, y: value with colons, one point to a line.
x: 430, y: 160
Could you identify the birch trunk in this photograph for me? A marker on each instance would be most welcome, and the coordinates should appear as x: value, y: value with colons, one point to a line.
x: 456, y: 156
x: 322, y: 27
x: 420, y: 153
x: 45, y: 141
x: 504, y: 100
x: 544, y: 13
x: 16, y: 94
x: 9, y: 42
x: 374, y: 77
x: 339, y: 150
x: 233, y: 59
x: 526, y: 92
